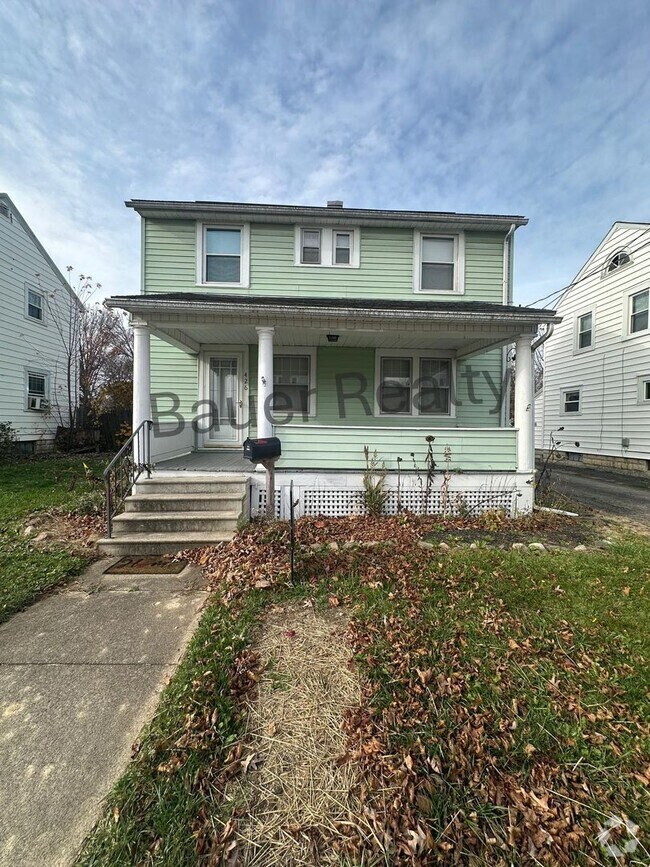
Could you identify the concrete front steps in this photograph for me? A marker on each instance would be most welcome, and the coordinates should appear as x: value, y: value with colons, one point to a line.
x: 166, y: 514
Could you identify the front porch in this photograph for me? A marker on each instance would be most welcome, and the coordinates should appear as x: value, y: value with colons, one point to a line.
x: 422, y: 384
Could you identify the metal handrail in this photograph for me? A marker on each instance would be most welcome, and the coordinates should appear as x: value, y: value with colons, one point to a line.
x: 123, y: 472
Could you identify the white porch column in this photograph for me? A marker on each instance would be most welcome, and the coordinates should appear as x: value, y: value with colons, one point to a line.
x: 524, y: 404
x: 264, y: 380
x: 141, y: 381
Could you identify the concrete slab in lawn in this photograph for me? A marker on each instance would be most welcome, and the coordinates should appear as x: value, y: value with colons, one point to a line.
x: 80, y: 674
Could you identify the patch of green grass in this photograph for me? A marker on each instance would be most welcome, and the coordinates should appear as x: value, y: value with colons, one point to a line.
x: 548, y: 652
x: 27, y: 487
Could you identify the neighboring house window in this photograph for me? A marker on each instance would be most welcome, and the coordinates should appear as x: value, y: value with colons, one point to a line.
x: 293, y: 383
x: 639, y: 311
x: 395, y: 383
x: 435, y: 386
x: 223, y: 255
x: 37, y: 390
x: 644, y: 390
x: 35, y: 304
x: 310, y: 247
x: 585, y: 331
x: 324, y: 247
x: 618, y: 260
x: 398, y: 393
x: 438, y: 264
x: 571, y: 400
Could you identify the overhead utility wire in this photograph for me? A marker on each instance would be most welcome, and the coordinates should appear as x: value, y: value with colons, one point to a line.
x: 589, y: 273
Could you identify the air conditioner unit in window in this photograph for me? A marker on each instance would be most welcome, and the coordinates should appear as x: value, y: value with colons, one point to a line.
x: 38, y: 403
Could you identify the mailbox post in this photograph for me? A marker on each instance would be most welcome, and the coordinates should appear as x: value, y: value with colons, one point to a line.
x: 265, y: 451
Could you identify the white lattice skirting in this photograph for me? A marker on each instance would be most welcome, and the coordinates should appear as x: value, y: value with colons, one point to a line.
x: 336, y: 495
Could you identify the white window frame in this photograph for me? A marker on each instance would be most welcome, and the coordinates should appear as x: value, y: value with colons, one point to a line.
x: 576, y: 345
x: 606, y: 272
x: 327, y: 246
x: 643, y: 387
x: 310, y: 351
x: 35, y: 371
x: 244, y: 271
x: 629, y: 334
x: 459, y: 262
x: 563, y: 395
x: 39, y: 292
x: 415, y: 378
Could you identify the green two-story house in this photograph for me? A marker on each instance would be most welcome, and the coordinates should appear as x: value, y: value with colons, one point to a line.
x: 335, y: 328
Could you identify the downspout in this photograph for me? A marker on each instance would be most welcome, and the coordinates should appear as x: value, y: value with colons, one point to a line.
x: 507, y: 297
x: 543, y: 337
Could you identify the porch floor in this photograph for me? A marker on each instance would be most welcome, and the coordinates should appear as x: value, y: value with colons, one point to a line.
x: 213, y: 461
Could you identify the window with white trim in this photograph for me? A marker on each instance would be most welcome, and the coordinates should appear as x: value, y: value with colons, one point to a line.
x: 325, y: 247
x: 223, y: 255
x: 310, y: 247
x: 342, y: 248
x: 639, y: 304
x: 585, y: 331
x: 399, y: 392
x: 438, y: 263
x: 434, y: 394
x: 37, y: 382
x: 618, y: 260
x: 571, y: 400
x: 34, y: 304
x: 644, y: 389
x: 292, y: 376
x: 395, y: 386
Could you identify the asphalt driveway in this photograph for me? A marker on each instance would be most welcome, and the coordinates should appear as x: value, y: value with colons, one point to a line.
x: 80, y: 674
x: 611, y: 493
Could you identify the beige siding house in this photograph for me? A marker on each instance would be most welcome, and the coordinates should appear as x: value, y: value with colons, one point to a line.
x: 36, y: 303
x: 597, y: 361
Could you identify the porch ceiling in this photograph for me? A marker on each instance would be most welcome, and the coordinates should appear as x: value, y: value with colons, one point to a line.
x: 191, y: 321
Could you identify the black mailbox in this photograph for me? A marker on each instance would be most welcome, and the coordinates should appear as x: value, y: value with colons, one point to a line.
x: 262, y: 449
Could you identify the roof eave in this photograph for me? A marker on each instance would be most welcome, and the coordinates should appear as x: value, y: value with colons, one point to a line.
x: 230, y: 211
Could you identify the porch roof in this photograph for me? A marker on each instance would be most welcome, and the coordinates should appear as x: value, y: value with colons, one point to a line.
x: 193, y: 320
x: 417, y: 308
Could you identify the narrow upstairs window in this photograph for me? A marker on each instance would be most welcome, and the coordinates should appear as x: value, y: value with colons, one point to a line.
x: 34, y: 305
x: 342, y: 248
x: 639, y: 312
x: 585, y: 331
x: 310, y: 247
x: 437, y: 265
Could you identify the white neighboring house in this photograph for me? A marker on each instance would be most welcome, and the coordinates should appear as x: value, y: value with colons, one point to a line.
x: 597, y: 361
x: 37, y: 305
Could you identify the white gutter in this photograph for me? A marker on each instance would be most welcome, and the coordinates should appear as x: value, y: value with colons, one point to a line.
x: 543, y: 337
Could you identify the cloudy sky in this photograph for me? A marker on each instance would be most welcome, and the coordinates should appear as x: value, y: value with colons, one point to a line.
x: 537, y: 107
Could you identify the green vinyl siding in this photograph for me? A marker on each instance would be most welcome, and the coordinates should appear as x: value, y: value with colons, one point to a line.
x: 355, y: 369
x: 341, y: 448
x: 386, y: 264
x: 173, y: 373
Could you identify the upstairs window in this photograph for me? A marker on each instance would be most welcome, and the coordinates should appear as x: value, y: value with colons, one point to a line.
x: 34, y: 304
x: 618, y: 260
x: 639, y: 311
x: 310, y: 247
x: 571, y: 400
x: 342, y: 248
x: 585, y: 331
x: 644, y: 389
x: 325, y: 247
x: 223, y: 259
x: 438, y: 263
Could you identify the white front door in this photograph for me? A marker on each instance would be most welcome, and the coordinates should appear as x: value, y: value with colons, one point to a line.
x: 225, y: 393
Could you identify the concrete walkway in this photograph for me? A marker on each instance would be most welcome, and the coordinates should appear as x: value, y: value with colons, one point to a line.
x: 80, y: 674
